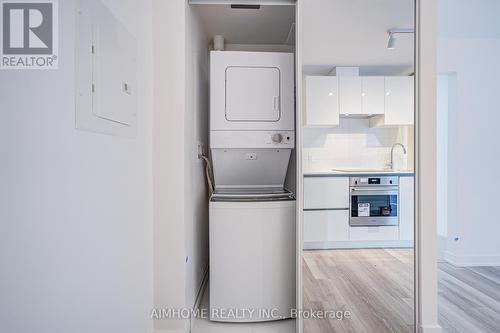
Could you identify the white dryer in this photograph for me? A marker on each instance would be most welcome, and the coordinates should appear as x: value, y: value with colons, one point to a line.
x: 251, y: 91
x: 252, y: 214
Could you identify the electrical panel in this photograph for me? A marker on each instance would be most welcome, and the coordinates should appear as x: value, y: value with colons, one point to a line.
x: 106, y: 69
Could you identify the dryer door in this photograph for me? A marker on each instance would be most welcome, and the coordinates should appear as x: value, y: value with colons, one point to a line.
x: 253, y: 94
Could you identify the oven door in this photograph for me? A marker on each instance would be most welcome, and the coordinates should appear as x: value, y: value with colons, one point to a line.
x: 374, y: 206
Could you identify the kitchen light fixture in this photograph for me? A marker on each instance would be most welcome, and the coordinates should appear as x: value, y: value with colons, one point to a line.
x: 391, y: 43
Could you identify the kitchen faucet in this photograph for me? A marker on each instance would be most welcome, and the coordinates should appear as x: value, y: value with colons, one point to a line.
x: 391, y: 165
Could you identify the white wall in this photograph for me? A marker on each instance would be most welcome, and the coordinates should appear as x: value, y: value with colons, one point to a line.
x: 169, y: 169
x: 180, y: 123
x: 443, y: 94
x: 196, y: 132
x: 469, y: 46
x: 75, y: 206
x: 353, y: 144
x: 260, y: 47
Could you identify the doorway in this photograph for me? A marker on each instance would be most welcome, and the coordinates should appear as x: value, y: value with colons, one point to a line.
x: 357, y: 159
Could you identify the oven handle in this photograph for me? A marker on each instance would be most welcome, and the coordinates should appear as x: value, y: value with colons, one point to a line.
x: 385, y: 189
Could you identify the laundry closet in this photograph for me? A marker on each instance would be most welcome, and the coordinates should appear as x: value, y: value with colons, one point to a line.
x: 243, y: 80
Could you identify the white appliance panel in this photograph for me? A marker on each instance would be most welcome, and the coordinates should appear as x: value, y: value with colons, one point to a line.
x: 252, y: 139
x: 252, y: 258
x: 252, y: 94
x: 247, y: 167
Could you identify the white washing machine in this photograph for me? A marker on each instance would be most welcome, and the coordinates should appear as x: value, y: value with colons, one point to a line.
x: 252, y: 214
x: 252, y: 260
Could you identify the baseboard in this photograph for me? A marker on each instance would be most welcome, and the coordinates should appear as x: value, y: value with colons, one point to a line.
x: 469, y: 261
x: 430, y: 329
x: 357, y: 245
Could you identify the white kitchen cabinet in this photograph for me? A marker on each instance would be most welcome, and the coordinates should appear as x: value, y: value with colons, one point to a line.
x: 399, y: 100
x: 406, y: 208
x: 390, y: 99
x: 326, y: 192
x: 361, y: 95
x: 350, y: 94
x: 383, y: 233
x: 326, y: 226
x: 372, y: 95
x: 322, y: 101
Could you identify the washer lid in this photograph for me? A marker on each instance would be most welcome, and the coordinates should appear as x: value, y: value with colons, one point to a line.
x: 252, y: 194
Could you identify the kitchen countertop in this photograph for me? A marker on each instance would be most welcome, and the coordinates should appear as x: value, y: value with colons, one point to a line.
x: 360, y: 172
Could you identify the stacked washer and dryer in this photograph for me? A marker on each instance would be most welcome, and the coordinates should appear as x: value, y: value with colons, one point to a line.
x: 252, y: 214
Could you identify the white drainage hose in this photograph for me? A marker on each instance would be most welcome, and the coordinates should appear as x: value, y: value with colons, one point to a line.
x: 208, y: 174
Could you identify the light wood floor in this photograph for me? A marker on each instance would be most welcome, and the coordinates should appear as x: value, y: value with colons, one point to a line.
x: 469, y: 299
x: 376, y: 286
x: 204, y: 325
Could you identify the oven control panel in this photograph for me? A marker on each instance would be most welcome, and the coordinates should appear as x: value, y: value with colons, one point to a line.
x: 374, y: 181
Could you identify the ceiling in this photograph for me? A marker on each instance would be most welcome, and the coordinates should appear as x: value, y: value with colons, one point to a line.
x: 354, y: 33
x: 267, y: 25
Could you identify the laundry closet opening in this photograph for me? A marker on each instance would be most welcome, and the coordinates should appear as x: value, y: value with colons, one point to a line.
x: 242, y: 113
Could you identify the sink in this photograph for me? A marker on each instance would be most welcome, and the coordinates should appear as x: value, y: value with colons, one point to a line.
x: 363, y: 170
x: 359, y: 172
x: 370, y: 170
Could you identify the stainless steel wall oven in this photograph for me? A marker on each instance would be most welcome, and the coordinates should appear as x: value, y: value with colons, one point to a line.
x: 374, y: 201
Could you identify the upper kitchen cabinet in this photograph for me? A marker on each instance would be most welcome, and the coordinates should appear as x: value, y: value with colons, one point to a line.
x: 399, y: 102
x: 361, y: 95
x: 372, y: 95
x: 322, y: 101
x: 350, y: 88
x: 389, y: 99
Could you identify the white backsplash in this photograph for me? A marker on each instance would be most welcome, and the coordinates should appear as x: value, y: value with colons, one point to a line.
x: 354, y: 145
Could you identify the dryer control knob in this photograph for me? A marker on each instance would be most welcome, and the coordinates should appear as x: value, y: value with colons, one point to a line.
x: 277, y: 138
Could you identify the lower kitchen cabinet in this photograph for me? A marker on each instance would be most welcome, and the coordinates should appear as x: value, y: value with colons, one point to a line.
x: 326, y: 217
x: 326, y: 192
x: 326, y: 225
x: 383, y: 233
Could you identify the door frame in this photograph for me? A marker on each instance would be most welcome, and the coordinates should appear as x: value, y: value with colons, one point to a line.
x: 299, y: 189
x: 426, y: 310
x: 426, y: 318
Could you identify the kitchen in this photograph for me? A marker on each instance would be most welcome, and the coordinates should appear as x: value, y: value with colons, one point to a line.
x: 358, y: 165
x: 359, y: 155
